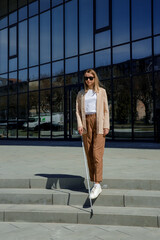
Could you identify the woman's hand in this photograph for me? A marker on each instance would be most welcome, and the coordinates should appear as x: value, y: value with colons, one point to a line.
x: 80, y: 130
x: 105, y: 131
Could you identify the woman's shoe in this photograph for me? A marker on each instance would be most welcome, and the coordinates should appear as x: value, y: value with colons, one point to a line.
x: 96, y: 190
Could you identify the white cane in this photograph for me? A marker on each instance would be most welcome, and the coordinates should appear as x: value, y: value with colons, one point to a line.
x: 87, y: 174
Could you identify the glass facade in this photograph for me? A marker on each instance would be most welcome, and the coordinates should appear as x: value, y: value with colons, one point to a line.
x: 45, y: 47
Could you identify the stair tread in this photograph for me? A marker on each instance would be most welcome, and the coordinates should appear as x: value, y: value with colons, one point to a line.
x: 138, y: 211
x: 148, y: 193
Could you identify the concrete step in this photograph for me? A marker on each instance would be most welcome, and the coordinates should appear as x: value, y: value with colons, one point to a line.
x: 108, y: 197
x: 62, y: 181
x: 127, y: 216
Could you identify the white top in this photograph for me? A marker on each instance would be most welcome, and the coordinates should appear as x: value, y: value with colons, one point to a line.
x: 90, y: 102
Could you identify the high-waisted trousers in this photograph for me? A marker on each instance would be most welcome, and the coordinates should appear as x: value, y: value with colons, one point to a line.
x: 94, y: 147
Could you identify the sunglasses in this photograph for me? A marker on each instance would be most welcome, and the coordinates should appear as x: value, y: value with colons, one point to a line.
x: 90, y: 78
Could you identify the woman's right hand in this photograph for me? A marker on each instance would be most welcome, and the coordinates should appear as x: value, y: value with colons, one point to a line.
x: 80, y: 130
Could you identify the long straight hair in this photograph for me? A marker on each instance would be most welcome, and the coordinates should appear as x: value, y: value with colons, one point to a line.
x: 96, y: 81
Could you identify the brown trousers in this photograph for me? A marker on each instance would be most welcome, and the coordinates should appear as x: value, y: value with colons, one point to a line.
x: 94, y: 147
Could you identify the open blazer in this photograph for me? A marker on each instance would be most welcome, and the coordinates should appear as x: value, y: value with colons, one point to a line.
x: 102, y: 114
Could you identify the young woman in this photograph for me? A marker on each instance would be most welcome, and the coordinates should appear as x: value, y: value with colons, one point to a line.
x: 93, y: 124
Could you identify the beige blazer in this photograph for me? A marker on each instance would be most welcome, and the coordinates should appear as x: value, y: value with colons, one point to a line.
x: 102, y: 111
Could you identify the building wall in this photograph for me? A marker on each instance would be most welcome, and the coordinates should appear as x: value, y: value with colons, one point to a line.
x: 46, y: 45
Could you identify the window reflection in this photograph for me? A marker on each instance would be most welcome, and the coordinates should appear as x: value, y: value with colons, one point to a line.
x: 103, y: 58
x: 71, y: 29
x: 3, y: 8
x: 57, y: 112
x: 3, y: 85
x: 104, y: 73
x: 33, y: 121
x: 122, y: 108
x: 22, y: 81
x: 86, y: 61
x: 45, y: 37
x: 71, y: 79
x: 57, y: 33
x: 120, y: 21
x: 58, y: 68
x: 22, y: 45
x: 121, y: 60
x: 45, y: 114
x: 141, y: 19
x: 22, y: 13
x: 102, y: 13
x: 12, y: 5
x: 13, y: 18
x: 45, y: 71
x: 12, y: 107
x: 141, y: 52
x: 57, y: 81
x: 22, y: 115
x: 157, y: 105
x: 13, y: 64
x: 33, y: 86
x: 71, y: 65
x: 22, y: 3
x: 3, y: 51
x: 33, y: 41
x: 56, y: 2
x: 3, y: 116
x: 156, y: 16
x: 44, y: 5
x: 157, y: 45
x: 102, y: 40
x: 33, y: 9
x: 33, y: 73
x: 13, y: 41
x: 3, y: 22
x: 86, y: 25
x: 12, y: 83
x: 143, y: 106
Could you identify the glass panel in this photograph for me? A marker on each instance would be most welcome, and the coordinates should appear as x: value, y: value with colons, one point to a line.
x: 157, y: 63
x: 141, y: 19
x: 3, y: 22
x: 58, y: 68
x: 102, y: 13
x: 12, y: 107
x: 141, y: 51
x: 3, y: 85
x: 103, y: 58
x: 44, y: 5
x: 22, y: 3
x: 22, y: 81
x: 22, y: 45
x: 102, y: 40
x: 33, y: 73
x: 13, y: 41
x: 33, y: 86
x: 45, y: 54
x: 58, y: 81
x: 3, y: 116
x: 121, y: 59
x: 71, y: 41
x: 12, y: 18
x: 3, y: 8
x: 86, y: 61
x: 86, y: 26
x: 156, y: 16
x: 13, y: 64
x: 157, y: 105
x: 104, y: 73
x: 33, y: 8
x: 12, y: 5
x: 143, y: 106
x: 71, y: 65
x: 57, y: 112
x: 71, y: 79
x: 122, y: 108
x: 13, y: 83
x: 45, y: 114
x: 157, y: 45
x: 22, y: 115
x: 33, y: 121
x: 57, y: 33
x: 45, y: 71
x: 33, y: 41
x: 22, y: 13
x: 120, y: 21
x: 3, y: 51
x: 56, y: 2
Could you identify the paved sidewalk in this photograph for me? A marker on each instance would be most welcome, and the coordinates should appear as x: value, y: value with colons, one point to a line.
x: 33, y: 159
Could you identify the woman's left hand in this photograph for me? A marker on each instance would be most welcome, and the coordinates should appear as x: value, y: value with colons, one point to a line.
x: 105, y: 131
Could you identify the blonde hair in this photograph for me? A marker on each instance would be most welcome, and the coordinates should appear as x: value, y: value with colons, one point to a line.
x: 96, y: 80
